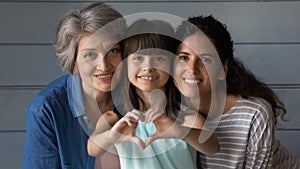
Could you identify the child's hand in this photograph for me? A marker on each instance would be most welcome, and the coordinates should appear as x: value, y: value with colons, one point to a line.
x: 166, y: 128
x: 158, y: 103
x: 124, y: 130
x: 152, y: 114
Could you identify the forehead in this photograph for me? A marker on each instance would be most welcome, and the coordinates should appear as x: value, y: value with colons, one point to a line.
x: 97, y: 42
x: 197, y: 44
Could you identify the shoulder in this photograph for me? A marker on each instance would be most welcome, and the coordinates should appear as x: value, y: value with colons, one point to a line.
x: 254, y: 106
x: 54, y: 95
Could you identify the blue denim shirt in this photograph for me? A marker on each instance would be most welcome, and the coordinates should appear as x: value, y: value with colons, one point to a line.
x: 55, y: 138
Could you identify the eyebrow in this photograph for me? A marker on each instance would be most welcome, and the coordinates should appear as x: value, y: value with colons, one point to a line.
x: 202, y: 54
x: 206, y: 54
x: 88, y: 49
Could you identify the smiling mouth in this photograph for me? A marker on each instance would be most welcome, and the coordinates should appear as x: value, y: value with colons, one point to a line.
x: 104, y: 76
x: 148, y: 78
x: 192, y: 81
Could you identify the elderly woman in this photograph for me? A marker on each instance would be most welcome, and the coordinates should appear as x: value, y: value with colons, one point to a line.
x: 61, y: 117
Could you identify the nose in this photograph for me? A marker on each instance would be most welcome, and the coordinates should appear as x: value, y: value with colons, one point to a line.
x: 148, y: 69
x: 103, y: 64
x: 193, y: 67
x: 148, y: 65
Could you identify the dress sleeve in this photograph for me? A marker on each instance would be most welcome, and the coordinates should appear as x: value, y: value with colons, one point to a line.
x: 41, y: 150
x: 259, y: 152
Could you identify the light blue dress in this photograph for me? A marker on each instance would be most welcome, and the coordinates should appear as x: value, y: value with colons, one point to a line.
x: 160, y: 154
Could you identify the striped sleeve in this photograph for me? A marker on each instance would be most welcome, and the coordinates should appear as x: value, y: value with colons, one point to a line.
x: 259, y: 153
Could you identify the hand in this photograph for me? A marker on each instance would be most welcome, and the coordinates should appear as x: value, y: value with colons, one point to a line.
x: 124, y: 130
x: 152, y: 114
x: 166, y: 128
x: 158, y: 103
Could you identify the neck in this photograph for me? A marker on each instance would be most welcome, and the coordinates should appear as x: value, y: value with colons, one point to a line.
x: 145, y: 98
x: 96, y: 104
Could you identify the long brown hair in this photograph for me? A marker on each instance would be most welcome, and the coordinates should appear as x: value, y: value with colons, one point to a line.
x: 150, y: 38
x: 239, y: 80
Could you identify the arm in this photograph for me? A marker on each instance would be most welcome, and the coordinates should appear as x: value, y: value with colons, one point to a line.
x: 41, y: 147
x: 96, y: 143
x: 194, y: 122
x: 259, y: 153
x: 167, y: 128
x: 122, y: 131
x: 208, y: 147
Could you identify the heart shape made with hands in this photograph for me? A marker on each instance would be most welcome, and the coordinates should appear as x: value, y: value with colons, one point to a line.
x: 165, y: 127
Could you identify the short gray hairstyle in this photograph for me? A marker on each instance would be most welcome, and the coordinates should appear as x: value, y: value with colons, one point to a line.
x: 80, y: 22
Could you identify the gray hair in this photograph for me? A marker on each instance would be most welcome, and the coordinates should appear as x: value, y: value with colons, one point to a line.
x: 80, y: 22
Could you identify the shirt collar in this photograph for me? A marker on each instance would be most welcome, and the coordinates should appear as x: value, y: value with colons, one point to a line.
x: 75, y: 95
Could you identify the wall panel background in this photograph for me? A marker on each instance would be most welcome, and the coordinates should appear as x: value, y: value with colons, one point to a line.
x: 266, y: 35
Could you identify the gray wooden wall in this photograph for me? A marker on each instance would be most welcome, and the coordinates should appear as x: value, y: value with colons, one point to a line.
x: 266, y: 35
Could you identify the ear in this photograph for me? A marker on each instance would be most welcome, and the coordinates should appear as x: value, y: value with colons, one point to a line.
x: 75, y: 69
x: 223, y: 73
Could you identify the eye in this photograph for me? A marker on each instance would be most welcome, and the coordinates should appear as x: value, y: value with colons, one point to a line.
x: 90, y: 55
x: 183, y: 57
x: 206, y: 60
x: 137, y: 58
x: 115, y: 50
x: 161, y: 58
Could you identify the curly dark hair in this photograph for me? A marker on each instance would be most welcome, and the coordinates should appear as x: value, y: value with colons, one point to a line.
x: 239, y: 80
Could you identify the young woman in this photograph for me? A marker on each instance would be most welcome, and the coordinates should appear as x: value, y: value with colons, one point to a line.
x: 149, y: 133
x: 57, y: 118
x: 246, y: 123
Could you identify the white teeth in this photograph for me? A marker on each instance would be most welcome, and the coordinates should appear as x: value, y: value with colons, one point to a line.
x: 103, y: 76
x: 148, y: 78
x: 191, y: 81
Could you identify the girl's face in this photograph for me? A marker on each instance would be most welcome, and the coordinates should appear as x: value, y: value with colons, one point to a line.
x: 196, y: 66
x: 97, y: 60
x: 148, y: 72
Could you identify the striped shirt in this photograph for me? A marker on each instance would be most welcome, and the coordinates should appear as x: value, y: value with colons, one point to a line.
x: 246, y: 138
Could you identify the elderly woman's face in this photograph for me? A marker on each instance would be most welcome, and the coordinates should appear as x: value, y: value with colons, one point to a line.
x: 97, y: 60
x: 196, y: 66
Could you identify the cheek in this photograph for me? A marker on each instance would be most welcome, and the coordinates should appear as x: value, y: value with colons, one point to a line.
x: 84, y: 68
x: 178, y: 70
x: 165, y: 67
x: 116, y: 61
x: 131, y: 71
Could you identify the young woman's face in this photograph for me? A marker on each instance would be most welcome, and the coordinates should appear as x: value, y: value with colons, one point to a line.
x: 148, y: 72
x: 196, y: 66
x: 97, y: 60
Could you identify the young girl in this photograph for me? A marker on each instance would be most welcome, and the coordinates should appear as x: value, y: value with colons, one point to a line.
x: 146, y: 118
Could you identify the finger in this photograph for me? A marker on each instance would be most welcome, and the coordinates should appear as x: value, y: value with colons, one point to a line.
x: 132, y: 116
x: 148, y: 114
x: 128, y: 121
x: 138, y: 142
x: 150, y: 139
x: 138, y: 113
x: 156, y: 116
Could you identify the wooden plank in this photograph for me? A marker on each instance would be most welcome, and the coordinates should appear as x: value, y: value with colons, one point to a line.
x: 290, y: 97
x: 28, y: 65
x: 11, y: 150
x: 272, y: 63
x: 13, y: 105
x: 249, y: 22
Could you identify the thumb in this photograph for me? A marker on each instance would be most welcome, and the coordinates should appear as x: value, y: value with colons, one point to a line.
x: 150, y: 139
